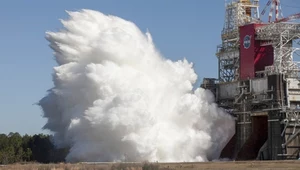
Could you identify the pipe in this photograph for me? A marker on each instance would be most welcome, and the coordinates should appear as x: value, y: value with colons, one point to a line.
x: 250, y: 86
x: 292, y: 137
x: 287, y: 94
x: 281, y: 89
x: 241, y: 95
x: 286, y: 125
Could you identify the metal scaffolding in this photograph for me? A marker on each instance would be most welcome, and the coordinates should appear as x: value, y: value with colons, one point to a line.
x: 238, y: 12
x: 290, y: 133
x: 266, y: 106
x: 281, y: 36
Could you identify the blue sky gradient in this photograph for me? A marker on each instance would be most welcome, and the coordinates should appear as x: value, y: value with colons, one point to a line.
x: 179, y: 29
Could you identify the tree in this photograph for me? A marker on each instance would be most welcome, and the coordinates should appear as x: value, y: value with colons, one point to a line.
x: 27, y: 153
x: 15, y: 148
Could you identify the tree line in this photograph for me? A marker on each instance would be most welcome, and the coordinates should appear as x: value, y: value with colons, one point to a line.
x: 37, y: 148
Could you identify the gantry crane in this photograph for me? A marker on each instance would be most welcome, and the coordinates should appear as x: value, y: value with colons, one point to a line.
x: 275, y: 4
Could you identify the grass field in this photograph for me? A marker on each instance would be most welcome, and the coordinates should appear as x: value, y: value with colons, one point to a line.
x: 259, y: 165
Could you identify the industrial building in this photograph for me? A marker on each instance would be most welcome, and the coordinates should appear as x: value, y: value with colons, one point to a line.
x: 258, y: 81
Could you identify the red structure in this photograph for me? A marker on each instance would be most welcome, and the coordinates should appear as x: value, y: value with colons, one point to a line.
x: 258, y: 81
x: 255, y: 55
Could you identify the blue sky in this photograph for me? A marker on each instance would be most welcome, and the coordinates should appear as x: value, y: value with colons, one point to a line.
x: 179, y: 28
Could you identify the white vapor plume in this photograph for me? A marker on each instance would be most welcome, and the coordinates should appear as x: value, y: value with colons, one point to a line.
x: 115, y: 98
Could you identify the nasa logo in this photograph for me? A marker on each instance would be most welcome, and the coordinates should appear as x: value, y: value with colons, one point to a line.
x: 247, y: 41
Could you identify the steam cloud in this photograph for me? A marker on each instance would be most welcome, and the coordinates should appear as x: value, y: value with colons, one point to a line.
x: 115, y: 98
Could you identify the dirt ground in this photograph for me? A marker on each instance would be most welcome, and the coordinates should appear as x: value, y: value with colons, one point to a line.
x: 259, y: 165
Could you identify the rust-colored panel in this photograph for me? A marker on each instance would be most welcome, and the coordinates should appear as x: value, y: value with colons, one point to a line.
x: 229, y: 150
x: 256, y: 140
x: 264, y: 56
x: 247, y: 51
x: 253, y: 56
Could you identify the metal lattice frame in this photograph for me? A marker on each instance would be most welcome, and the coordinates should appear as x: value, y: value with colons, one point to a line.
x: 273, y: 100
x: 228, y: 52
x: 290, y: 132
x: 281, y: 36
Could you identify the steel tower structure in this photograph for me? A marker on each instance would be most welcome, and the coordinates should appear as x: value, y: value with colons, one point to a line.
x: 258, y: 81
x: 237, y: 13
